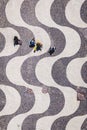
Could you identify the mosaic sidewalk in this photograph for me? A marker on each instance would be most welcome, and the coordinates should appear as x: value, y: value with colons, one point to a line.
x: 39, y: 91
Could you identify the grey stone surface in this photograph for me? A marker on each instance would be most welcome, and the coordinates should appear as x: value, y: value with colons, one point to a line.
x: 2, y: 100
x: 84, y: 74
x: 57, y: 103
x: 83, y: 12
x: 28, y: 67
x: 2, y: 42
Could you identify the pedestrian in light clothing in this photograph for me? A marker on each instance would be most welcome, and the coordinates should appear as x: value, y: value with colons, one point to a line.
x: 38, y: 46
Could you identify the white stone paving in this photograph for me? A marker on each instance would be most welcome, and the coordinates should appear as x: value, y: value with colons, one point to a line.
x: 74, y: 71
x: 76, y: 122
x: 9, y: 48
x: 13, y: 100
x: 44, y: 74
x: 15, y: 74
x: 72, y: 13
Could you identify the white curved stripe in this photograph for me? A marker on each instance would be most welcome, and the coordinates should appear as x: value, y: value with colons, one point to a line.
x: 13, y: 15
x: 76, y: 123
x: 44, y: 74
x: 9, y: 48
x: 74, y: 71
x: 13, y: 70
x: 15, y: 74
x: 13, y: 100
x: 42, y: 11
x: 72, y: 13
x: 70, y: 107
x: 38, y: 32
x: 72, y: 38
x: 65, y: 30
x: 71, y: 46
x: 42, y: 102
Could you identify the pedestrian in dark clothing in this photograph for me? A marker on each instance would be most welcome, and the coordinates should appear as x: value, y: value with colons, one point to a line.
x: 51, y: 50
x: 17, y: 41
x: 32, y: 43
x: 39, y: 46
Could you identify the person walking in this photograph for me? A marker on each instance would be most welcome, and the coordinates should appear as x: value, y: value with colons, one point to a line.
x: 38, y: 46
x: 17, y: 41
x: 32, y: 42
x: 51, y: 50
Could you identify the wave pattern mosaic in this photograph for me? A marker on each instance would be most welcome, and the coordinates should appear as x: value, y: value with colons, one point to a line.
x: 39, y: 91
